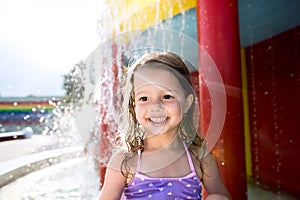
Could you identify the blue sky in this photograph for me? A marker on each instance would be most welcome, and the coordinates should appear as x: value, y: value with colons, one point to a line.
x: 41, y: 40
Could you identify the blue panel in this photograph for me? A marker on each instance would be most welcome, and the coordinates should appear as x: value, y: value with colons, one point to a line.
x: 189, y: 21
x: 262, y: 19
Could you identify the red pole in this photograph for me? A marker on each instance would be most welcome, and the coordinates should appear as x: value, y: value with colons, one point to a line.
x: 218, y: 34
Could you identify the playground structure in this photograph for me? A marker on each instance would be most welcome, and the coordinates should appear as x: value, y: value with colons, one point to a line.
x: 260, y: 72
x: 21, y: 112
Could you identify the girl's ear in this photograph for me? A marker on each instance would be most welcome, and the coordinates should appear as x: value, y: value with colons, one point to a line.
x: 188, y: 102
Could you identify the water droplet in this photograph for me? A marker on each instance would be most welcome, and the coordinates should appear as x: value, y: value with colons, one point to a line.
x: 26, y: 117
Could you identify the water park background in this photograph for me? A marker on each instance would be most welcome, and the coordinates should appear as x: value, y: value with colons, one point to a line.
x: 256, y: 50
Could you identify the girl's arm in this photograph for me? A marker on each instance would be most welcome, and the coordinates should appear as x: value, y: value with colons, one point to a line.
x: 114, y: 181
x: 113, y: 185
x: 212, y: 180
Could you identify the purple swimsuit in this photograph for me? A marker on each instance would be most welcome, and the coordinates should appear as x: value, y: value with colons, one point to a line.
x: 145, y: 187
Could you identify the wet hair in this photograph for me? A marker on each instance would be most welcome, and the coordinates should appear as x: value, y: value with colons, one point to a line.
x: 134, y: 135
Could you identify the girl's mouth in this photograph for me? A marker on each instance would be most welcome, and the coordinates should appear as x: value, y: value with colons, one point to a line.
x: 158, y: 121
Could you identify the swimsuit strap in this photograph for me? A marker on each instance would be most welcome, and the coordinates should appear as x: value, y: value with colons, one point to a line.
x: 189, y: 157
x: 138, y: 165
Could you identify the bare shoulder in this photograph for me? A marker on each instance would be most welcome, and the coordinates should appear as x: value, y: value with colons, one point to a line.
x: 202, y: 158
x: 117, y: 158
x: 114, y: 181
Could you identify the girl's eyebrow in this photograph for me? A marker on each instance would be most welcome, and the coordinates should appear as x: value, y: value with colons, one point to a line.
x: 137, y: 93
x: 146, y: 91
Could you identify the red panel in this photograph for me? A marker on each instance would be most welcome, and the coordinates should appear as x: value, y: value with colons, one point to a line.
x: 218, y: 34
x: 274, y: 105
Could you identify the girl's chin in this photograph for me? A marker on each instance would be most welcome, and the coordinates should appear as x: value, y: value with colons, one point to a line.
x: 154, y: 130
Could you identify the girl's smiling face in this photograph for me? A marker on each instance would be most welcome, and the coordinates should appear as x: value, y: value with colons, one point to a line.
x: 160, y: 101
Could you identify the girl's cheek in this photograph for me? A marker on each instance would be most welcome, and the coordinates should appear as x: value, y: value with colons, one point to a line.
x: 140, y: 107
x: 139, y: 113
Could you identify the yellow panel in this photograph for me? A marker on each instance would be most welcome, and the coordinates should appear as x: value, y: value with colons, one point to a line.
x: 142, y: 14
x: 123, y: 8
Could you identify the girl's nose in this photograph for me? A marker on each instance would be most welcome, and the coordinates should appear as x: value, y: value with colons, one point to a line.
x: 156, y: 107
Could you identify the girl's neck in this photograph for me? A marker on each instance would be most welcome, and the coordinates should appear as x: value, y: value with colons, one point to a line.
x: 163, y: 141
x: 161, y: 153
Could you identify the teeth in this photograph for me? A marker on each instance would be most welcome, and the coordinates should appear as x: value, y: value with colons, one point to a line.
x: 158, y: 119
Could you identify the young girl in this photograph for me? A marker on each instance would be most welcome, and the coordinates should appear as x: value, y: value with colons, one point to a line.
x: 165, y: 157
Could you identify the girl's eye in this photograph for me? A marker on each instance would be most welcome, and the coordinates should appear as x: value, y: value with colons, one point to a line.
x: 143, y: 98
x: 168, y: 97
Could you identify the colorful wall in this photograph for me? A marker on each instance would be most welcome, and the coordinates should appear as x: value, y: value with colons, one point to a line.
x: 17, y: 113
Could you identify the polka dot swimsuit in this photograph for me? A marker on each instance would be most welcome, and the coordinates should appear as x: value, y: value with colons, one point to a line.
x: 145, y: 187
